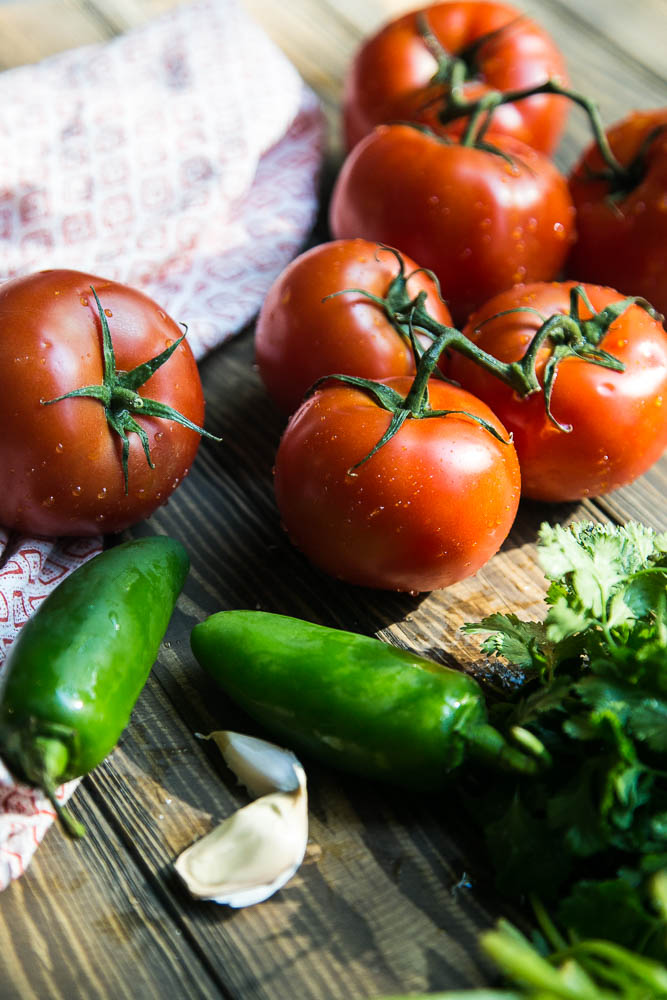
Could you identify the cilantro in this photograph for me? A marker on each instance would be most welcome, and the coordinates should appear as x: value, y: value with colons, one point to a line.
x: 587, y: 835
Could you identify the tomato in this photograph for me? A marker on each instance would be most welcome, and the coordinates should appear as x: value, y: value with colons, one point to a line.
x: 390, y: 77
x: 61, y: 464
x: 430, y: 507
x: 479, y: 222
x: 301, y: 335
x: 617, y: 418
x: 622, y: 222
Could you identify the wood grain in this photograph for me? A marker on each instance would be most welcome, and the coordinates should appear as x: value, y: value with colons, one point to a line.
x: 382, y: 903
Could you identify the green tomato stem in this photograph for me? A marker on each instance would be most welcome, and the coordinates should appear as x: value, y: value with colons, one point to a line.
x: 118, y: 394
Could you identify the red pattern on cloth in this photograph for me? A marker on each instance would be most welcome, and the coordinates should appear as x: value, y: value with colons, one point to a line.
x: 181, y: 158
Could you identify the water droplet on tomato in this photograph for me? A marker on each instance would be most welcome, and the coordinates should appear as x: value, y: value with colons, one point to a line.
x: 559, y: 230
x: 159, y: 435
x: 108, y: 313
x: 59, y: 448
x: 76, y: 491
x: 83, y: 300
x: 102, y: 493
x: 48, y: 502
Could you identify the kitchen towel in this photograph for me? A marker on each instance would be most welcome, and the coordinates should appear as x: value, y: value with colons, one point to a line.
x: 181, y: 158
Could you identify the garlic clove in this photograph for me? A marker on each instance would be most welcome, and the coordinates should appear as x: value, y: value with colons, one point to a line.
x: 262, y: 767
x: 254, y: 852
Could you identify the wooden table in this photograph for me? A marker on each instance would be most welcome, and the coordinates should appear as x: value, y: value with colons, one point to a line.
x: 375, y: 909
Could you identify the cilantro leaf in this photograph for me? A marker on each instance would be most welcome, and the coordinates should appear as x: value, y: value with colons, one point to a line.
x: 524, y: 644
x: 618, y: 911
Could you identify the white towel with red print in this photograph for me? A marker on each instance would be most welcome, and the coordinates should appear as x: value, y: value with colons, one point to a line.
x: 181, y: 158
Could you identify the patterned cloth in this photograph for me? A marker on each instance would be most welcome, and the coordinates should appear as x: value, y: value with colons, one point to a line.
x: 181, y: 158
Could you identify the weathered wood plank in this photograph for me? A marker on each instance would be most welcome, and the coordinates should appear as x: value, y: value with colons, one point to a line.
x: 638, y: 31
x: 644, y: 500
x: 85, y: 921
x: 31, y: 31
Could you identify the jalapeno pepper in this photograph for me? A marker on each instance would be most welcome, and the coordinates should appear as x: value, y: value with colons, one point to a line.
x: 78, y: 665
x: 350, y: 700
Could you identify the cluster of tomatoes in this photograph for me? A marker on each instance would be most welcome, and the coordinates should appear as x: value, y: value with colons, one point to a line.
x: 450, y: 116
x: 476, y: 215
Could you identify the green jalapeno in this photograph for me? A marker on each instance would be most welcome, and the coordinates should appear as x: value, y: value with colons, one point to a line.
x: 352, y: 701
x: 79, y: 663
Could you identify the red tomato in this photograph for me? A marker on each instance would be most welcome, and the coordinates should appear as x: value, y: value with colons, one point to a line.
x: 390, y: 78
x: 300, y: 338
x: 479, y: 222
x: 617, y: 418
x: 622, y: 226
x: 428, y: 509
x: 61, y: 464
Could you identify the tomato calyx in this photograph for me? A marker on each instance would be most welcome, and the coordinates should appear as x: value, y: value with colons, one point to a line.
x: 566, y: 334
x: 464, y: 64
x: 480, y: 110
x: 572, y: 336
x: 622, y: 182
x: 415, y: 405
x: 120, y: 398
x: 396, y: 303
x: 408, y: 314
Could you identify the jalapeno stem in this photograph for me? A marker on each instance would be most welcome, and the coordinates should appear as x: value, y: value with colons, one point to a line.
x: 44, y: 759
x: 489, y: 745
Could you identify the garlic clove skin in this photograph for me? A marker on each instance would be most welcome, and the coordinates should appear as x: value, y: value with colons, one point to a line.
x: 254, y: 852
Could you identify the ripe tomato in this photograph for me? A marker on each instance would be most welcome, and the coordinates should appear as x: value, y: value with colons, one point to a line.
x: 390, y: 77
x: 60, y: 464
x: 622, y: 223
x: 617, y: 418
x: 479, y: 222
x: 300, y: 338
x: 429, y: 508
